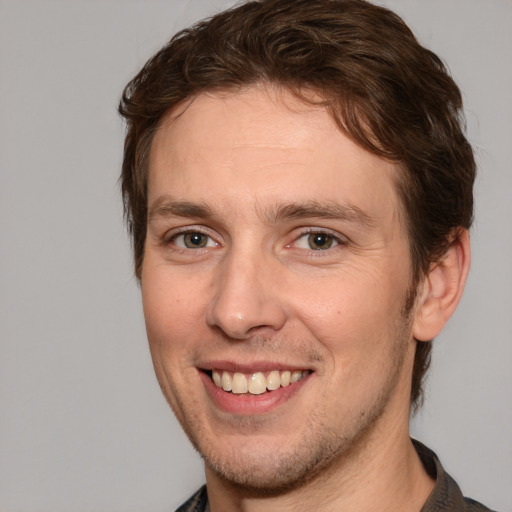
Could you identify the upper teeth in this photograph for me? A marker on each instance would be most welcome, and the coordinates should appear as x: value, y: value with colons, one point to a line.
x: 256, y: 383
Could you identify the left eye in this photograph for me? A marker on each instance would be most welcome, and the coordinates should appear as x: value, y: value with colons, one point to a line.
x: 317, y: 241
x: 193, y: 240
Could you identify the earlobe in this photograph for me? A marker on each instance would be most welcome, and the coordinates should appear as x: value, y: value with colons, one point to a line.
x: 442, y: 288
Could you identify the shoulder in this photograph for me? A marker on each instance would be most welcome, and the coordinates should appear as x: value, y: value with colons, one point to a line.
x: 446, y: 495
x: 196, y: 503
x: 474, y: 506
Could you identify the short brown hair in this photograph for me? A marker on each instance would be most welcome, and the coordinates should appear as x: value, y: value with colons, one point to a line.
x: 389, y: 94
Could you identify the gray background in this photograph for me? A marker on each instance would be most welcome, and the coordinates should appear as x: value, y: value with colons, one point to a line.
x: 83, y: 426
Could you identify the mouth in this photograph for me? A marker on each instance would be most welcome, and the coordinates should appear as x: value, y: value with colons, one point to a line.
x: 257, y: 383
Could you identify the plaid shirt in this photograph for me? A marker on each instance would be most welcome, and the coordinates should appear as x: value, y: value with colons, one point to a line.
x: 446, y: 496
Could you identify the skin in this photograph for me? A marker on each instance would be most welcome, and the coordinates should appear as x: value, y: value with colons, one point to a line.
x: 251, y: 175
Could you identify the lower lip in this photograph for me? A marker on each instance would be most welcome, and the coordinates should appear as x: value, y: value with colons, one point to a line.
x: 248, y: 404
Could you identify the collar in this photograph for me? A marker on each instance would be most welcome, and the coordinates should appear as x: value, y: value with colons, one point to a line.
x: 446, y: 495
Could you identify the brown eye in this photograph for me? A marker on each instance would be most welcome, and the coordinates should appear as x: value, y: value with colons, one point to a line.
x: 193, y: 240
x: 320, y: 241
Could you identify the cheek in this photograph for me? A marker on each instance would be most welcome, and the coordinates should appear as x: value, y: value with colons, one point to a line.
x: 172, y: 314
x: 172, y: 311
x: 171, y: 302
x: 354, y: 319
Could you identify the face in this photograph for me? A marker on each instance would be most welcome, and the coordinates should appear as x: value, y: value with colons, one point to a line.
x: 275, y: 273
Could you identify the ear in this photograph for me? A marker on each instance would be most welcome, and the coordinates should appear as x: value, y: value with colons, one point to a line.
x: 442, y: 288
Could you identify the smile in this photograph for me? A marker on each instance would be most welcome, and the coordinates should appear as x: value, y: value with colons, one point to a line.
x: 256, y: 383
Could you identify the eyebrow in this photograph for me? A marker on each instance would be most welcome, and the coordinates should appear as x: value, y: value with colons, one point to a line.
x: 324, y: 210
x: 167, y: 206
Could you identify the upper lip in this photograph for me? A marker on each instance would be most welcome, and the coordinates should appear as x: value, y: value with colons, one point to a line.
x: 250, y: 367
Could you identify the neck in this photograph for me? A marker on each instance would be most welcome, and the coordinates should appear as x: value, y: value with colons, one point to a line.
x: 382, y: 473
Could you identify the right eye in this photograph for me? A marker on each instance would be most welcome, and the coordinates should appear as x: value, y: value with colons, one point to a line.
x: 193, y: 240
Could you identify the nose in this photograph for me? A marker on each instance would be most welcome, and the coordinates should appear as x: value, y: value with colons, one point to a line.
x: 246, y: 298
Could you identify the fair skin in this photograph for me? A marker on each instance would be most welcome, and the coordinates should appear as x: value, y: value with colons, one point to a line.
x: 275, y: 244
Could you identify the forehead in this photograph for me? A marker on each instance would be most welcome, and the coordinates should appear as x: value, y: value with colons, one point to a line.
x: 252, y: 124
x: 263, y: 144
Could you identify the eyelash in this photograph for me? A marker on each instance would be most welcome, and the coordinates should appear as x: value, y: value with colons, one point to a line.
x: 336, y: 239
x: 171, y: 239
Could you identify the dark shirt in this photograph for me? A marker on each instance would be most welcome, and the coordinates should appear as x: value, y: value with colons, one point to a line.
x: 445, y: 497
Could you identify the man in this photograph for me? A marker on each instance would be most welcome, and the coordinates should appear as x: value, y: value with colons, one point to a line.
x: 299, y: 192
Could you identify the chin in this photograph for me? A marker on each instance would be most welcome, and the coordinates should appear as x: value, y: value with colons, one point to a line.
x: 268, y: 474
x: 275, y: 466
